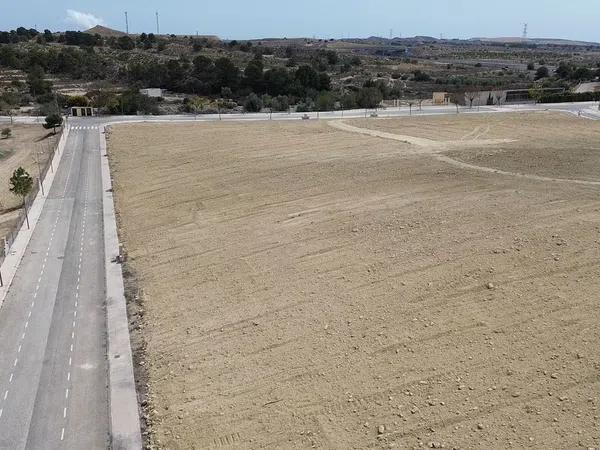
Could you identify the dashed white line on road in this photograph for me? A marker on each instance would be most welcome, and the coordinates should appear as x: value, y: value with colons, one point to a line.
x: 62, y: 434
x: 5, y: 395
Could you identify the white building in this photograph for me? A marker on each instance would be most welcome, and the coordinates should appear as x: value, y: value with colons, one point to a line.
x: 152, y: 92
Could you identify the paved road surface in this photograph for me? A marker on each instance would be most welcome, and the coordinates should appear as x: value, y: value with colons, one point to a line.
x: 53, y: 370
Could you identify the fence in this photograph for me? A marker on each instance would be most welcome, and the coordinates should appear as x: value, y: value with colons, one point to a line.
x: 9, y: 239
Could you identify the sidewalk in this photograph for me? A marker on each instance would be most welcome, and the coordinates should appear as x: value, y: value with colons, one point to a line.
x: 123, y: 403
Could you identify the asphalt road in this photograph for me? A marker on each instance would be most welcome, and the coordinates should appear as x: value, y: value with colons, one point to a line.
x: 53, y: 369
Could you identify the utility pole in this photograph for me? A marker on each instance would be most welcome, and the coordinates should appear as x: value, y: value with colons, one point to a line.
x: 157, y: 26
x: 37, y: 160
x: 525, y: 31
x: 126, y: 23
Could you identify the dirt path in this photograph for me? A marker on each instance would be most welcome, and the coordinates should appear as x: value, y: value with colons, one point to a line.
x: 435, y: 147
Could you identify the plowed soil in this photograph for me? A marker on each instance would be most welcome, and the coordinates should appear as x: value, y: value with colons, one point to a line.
x: 308, y: 287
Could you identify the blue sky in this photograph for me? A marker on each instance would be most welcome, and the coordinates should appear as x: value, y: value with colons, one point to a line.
x: 243, y: 19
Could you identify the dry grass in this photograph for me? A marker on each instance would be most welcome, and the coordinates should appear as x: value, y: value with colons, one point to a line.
x: 307, y: 287
x: 14, y: 152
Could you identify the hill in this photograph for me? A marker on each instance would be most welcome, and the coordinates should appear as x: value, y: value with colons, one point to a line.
x: 105, y: 31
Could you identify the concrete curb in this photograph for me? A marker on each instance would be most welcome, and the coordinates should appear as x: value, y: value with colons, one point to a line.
x: 12, y: 261
x: 123, y: 404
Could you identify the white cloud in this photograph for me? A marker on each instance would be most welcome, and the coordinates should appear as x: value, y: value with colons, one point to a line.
x: 83, y: 20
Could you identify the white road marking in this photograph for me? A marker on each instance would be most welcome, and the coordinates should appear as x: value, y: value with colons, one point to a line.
x: 19, y: 349
x: 64, y: 412
x: 16, y: 362
x: 26, y: 324
x: 5, y: 395
x: 11, y: 378
x: 69, y: 376
x: 70, y: 361
x: 1, y: 412
x: 62, y: 434
x: 67, y: 393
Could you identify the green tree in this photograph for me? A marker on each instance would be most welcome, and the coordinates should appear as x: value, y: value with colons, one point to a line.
x: 53, y: 121
x: 253, y: 74
x: 536, y: 92
x: 6, y: 132
x: 253, y: 103
x: 21, y: 184
x: 325, y: 101
x: 542, y: 72
x: 369, y: 97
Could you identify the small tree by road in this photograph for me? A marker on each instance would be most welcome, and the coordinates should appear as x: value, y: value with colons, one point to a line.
x: 471, y: 96
x: 21, y: 184
x: 6, y: 133
x: 53, y: 121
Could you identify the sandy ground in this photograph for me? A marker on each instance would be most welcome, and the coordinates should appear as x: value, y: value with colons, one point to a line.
x: 14, y: 152
x: 307, y: 287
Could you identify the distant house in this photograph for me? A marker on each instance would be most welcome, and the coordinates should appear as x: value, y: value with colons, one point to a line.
x: 152, y: 92
x: 441, y: 98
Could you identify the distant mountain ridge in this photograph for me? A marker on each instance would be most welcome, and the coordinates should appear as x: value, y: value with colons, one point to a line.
x: 541, y: 41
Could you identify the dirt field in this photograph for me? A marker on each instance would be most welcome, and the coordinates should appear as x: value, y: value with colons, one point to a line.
x: 308, y: 287
x: 14, y: 152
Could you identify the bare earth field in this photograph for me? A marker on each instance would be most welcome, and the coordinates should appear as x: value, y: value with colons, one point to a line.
x: 309, y: 287
x: 16, y: 151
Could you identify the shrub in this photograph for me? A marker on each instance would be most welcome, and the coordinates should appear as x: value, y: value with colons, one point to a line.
x: 253, y: 103
x: 6, y: 132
